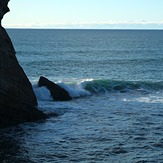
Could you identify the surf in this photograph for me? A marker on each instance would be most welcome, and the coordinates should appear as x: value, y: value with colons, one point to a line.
x: 88, y: 87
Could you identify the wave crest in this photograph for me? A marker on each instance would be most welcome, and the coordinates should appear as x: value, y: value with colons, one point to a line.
x: 89, y: 86
x: 96, y: 86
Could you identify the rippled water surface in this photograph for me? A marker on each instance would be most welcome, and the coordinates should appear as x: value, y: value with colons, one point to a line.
x: 115, y: 131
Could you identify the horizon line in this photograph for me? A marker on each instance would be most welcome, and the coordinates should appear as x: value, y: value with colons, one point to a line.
x: 83, y: 28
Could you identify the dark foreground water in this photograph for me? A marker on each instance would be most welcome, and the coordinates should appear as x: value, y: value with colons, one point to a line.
x: 116, y: 80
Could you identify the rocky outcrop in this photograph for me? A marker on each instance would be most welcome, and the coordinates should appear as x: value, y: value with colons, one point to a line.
x: 17, y: 99
x: 3, y: 8
x: 58, y: 93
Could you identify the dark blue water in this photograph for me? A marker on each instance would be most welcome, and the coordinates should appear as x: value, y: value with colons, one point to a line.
x: 116, y: 80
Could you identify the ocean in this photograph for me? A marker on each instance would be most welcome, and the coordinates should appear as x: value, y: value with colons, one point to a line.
x: 115, y: 78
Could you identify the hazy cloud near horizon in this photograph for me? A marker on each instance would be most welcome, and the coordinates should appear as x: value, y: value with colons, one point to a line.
x: 93, y: 25
x: 99, y: 14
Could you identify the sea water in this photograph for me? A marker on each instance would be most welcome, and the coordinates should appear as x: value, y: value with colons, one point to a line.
x: 116, y: 80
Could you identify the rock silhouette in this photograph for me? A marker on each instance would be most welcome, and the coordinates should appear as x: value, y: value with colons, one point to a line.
x: 17, y: 99
x: 58, y: 93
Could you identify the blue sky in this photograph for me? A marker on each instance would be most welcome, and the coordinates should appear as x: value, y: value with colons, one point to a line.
x: 104, y: 14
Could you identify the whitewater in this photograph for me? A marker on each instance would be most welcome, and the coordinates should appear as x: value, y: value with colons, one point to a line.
x: 115, y: 78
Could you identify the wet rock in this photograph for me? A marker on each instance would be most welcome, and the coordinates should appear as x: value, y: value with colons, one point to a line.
x: 58, y: 93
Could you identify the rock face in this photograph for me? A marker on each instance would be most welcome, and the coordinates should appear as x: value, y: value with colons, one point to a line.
x: 58, y: 93
x: 17, y: 99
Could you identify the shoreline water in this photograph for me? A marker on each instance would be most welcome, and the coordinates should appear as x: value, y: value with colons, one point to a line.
x: 116, y: 113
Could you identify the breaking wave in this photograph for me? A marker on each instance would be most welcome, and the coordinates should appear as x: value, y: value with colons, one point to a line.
x: 90, y: 86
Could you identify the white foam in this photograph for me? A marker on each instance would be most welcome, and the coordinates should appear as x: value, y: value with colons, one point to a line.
x: 42, y: 93
x: 75, y: 90
x: 151, y: 99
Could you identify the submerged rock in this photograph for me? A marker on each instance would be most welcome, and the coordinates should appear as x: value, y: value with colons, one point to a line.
x: 58, y: 93
x: 17, y: 99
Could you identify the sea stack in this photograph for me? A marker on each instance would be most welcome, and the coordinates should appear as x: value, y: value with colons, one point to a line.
x: 57, y: 92
x: 18, y: 102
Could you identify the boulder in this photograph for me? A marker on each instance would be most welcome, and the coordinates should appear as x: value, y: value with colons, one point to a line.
x: 18, y: 102
x: 57, y: 92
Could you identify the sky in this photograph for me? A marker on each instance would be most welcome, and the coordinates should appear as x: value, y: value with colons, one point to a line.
x: 85, y: 14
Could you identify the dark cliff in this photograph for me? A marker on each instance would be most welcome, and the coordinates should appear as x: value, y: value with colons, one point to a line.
x: 17, y: 99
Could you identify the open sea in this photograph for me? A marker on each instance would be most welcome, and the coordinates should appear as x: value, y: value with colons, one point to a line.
x: 116, y: 80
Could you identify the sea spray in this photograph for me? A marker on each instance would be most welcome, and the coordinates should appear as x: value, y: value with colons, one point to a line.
x: 42, y: 93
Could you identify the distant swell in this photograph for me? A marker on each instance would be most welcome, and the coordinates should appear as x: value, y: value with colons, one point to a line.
x: 90, y: 86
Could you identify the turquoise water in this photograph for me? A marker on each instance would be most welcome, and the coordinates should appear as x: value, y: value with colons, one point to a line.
x: 116, y: 80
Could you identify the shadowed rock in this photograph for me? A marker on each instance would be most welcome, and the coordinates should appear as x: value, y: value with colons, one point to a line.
x: 58, y: 93
x: 17, y: 99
